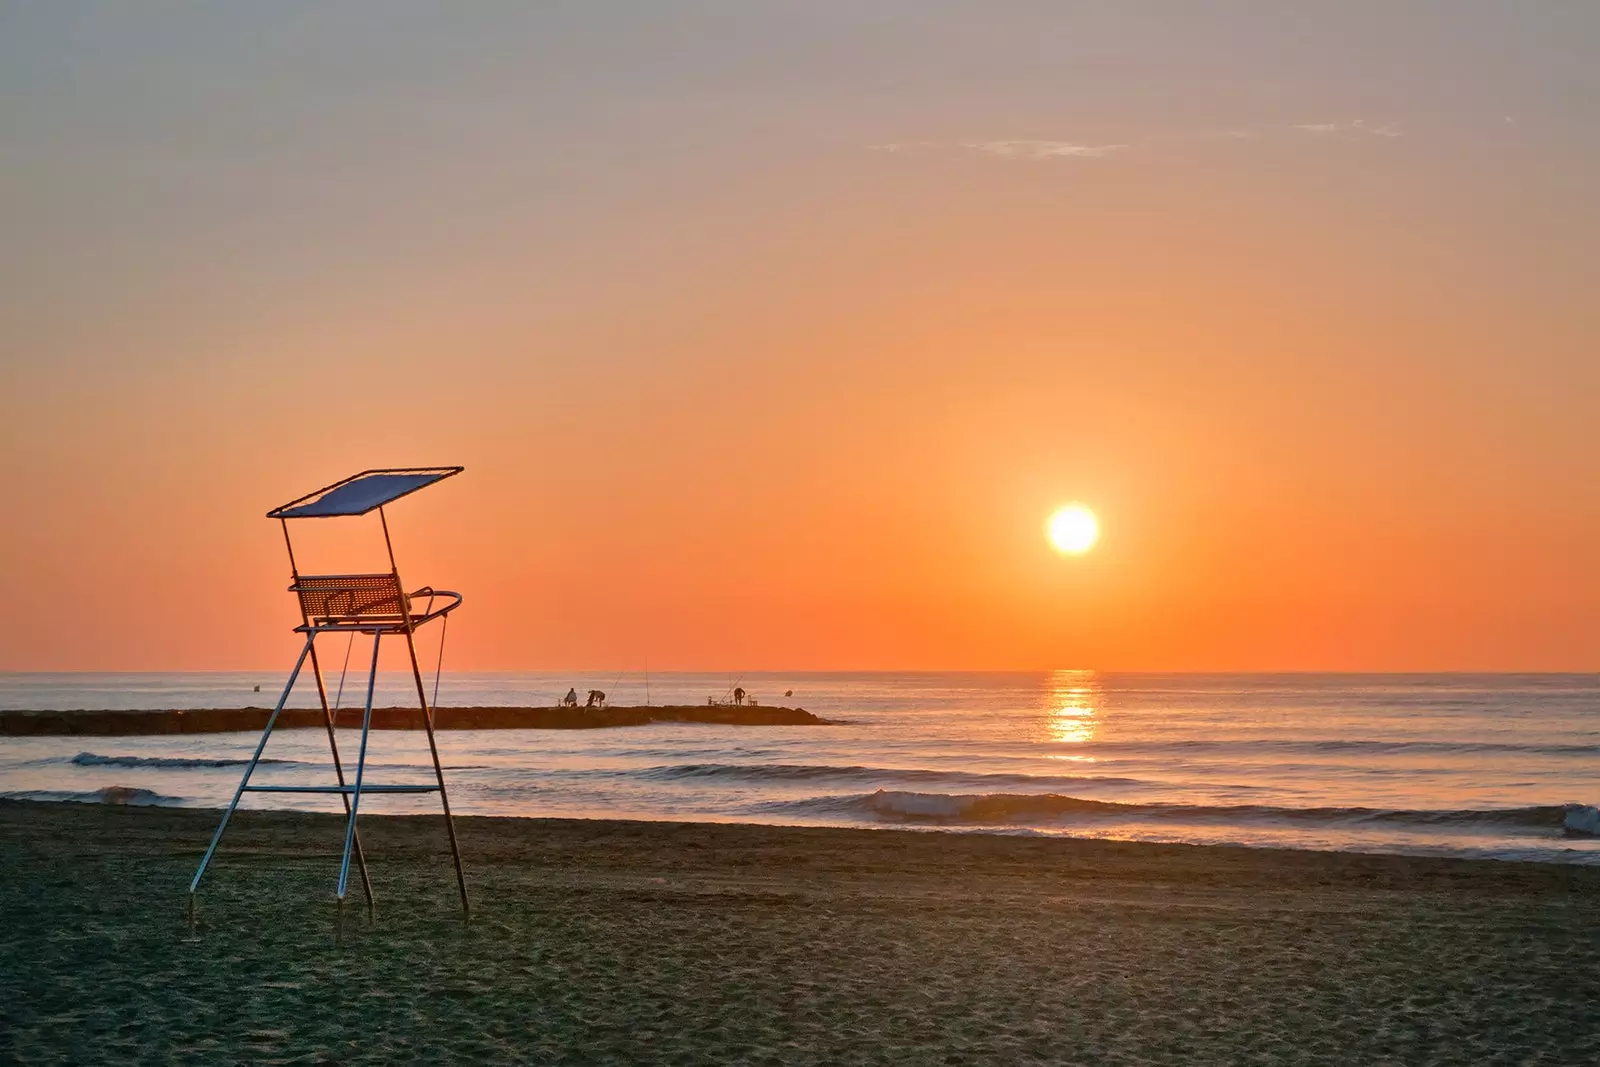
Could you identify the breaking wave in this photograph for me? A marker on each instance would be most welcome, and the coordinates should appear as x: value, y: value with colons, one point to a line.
x: 111, y: 794
x: 94, y: 759
x: 1314, y: 745
x: 805, y: 772
x: 1582, y: 819
x: 982, y: 809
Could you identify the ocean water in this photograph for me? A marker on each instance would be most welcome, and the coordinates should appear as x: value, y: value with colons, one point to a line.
x: 1479, y: 765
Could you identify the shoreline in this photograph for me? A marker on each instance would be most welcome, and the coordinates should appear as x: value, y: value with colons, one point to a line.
x: 110, y: 723
x: 145, y: 799
x: 1323, y: 867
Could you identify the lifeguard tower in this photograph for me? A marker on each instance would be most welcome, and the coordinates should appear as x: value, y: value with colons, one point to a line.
x: 375, y: 604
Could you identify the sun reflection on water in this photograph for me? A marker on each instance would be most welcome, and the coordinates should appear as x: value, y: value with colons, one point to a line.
x: 1072, y: 709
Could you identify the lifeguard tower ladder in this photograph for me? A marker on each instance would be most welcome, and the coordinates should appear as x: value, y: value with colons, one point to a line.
x: 374, y: 604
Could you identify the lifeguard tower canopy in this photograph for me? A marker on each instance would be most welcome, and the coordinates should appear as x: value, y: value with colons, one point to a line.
x: 361, y: 493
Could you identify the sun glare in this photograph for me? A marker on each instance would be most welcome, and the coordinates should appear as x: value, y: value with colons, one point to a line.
x: 1073, y: 529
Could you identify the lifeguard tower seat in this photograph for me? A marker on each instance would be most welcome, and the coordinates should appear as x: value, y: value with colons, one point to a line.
x: 375, y: 604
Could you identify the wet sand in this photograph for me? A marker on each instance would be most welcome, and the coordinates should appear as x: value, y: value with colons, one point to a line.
x: 598, y: 942
x: 254, y: 720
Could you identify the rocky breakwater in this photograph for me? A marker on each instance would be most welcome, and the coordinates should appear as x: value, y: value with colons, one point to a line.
x: 224, y: 720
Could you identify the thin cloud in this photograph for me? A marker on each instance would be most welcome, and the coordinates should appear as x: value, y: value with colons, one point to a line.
x: 1031, y: 150
x: 1354, y: 127
x: 902, y: 146
x: 1037, y: 150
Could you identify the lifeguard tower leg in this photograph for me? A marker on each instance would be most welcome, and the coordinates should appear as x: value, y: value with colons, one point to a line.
x: 438, y: 772
x: 338, y: 769
x: 251, y: 766
x: 361, y: 767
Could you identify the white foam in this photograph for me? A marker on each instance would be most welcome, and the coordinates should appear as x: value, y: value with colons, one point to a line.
x: 934, y: 804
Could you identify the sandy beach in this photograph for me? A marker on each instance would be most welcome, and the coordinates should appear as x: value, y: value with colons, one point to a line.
x: 691, y: 943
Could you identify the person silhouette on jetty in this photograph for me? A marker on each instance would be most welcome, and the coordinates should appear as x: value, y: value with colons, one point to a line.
x: 597, y: 699
x: 738, y: 696
x: 571, y: 699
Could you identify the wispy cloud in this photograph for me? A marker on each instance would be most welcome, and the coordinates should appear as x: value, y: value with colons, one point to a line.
x: 1015, y: 149
x: 1036, y: 150
x: 903, y: 146
x: 1039, y: 150
x: 1354, y: 127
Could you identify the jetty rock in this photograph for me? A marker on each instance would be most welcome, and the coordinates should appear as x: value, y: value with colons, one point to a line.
x: 227, y: 720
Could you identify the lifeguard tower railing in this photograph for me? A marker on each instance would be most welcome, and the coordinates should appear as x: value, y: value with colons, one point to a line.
x: 375, y: 604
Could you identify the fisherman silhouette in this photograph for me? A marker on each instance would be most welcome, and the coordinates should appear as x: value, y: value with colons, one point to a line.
x: 597, y: 699
x: 571, y: 699
x: 738, y: 696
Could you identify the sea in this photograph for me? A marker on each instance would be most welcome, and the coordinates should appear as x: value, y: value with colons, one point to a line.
x: 1499, y: 766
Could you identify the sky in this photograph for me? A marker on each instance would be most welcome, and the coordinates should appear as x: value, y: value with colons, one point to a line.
x: 771, y: 333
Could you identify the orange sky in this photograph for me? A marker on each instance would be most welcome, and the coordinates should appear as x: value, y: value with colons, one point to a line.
x: 770, y: 340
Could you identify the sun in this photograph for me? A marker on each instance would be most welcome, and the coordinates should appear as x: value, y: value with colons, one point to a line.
x: 1073, y: 529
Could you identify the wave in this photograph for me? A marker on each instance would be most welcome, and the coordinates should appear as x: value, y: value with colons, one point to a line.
x: 792, y: 772
x: 94, y: 759
x: 1001, y: 808
x: 111, y: 794
x: 1582, y: 820
x: 1313, y: 745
